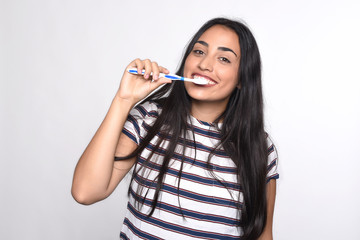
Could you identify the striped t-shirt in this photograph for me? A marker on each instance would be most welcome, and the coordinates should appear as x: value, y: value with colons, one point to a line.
x: 202, y: 208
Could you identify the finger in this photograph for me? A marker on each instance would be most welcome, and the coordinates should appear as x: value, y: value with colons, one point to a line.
x: 155, y: 70
x: 139, y: 65
x: 148, y: 68
x: 163, y: 80
x: 164, y: 70
x: 159, y: 82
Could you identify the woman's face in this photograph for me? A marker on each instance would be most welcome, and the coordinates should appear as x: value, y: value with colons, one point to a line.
x: 215, y: 57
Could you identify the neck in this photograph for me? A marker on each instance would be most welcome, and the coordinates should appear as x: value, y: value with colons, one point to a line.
x: 207, y: 111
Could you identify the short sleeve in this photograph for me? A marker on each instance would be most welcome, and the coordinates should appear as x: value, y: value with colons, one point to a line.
x: 272, y: 172
x: 139, y: 119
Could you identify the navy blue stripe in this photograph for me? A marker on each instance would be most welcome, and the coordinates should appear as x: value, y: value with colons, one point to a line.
x: 137, y: 231
x: 191, y: 177
x: 187, y: 194
x: 271, y: 165
x: 153, y: 114
x: 178, y: 228
x: 123, y: 236
x: 275, y: 176
x: 271, y: 149
x: 208, y: 199
x: 144, y: 112
x: 204, y: 123
x: 187, y: 213
x: 132, y: 120
x: 130, y: 135
x: 207, y: 133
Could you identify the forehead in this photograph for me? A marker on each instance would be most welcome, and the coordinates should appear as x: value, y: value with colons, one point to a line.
x: 221, y: 36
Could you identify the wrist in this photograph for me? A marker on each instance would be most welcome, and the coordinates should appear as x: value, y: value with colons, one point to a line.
x: 124, y: 102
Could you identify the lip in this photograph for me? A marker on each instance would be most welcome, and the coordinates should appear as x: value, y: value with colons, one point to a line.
x: 206, y: 77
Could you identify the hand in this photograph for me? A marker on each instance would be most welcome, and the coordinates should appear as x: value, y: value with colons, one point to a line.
x: 134, y: 87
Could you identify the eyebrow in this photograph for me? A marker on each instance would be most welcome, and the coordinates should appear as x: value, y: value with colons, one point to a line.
x: 219, y: 48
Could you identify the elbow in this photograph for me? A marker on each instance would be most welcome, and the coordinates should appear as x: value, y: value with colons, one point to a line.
x: 81, y: 200
x: 82, y: 197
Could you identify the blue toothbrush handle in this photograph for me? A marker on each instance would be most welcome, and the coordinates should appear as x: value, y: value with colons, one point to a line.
x: 173, y: 77
x: 170, y: 76
x: 135, y: 71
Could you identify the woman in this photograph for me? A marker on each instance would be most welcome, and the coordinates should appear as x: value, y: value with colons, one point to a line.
x: 204, y: 166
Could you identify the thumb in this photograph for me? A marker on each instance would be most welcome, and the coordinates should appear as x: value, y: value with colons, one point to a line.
x: 159, y: 82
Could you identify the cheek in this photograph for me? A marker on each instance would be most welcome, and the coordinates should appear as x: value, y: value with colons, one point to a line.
x: 233, y: 74
x: 189, y: 64
x: 230, y: 76
x: 186, y: 69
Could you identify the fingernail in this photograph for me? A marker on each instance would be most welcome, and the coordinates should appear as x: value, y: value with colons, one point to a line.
x: 147, y: 76
x: 155, y: 77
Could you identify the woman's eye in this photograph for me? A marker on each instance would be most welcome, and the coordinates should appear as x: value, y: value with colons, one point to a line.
x: 199, y: 52
x: 223, y: 59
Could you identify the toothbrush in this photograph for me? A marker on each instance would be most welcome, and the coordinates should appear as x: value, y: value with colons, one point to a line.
x: 172, y: 77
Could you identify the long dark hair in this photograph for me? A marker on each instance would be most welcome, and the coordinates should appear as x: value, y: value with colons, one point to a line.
x: 242, y: 132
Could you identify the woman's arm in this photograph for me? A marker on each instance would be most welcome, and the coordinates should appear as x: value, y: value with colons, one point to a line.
x: 271, y: 193
x: 96, y: 174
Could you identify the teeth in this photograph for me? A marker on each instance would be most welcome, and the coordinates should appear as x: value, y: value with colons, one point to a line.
x: 211, y: 82
x: 208, y: 81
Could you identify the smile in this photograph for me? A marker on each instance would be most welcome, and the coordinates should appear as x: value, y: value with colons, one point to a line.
x: 209, y: 80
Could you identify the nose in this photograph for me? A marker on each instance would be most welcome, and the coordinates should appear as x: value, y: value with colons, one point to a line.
x: 206, y: 64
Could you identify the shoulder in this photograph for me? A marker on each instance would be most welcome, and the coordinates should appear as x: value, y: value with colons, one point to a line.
x: 140, y: 118
x: 270, y: 143
x: 272, y: 150
x: 272, y: 160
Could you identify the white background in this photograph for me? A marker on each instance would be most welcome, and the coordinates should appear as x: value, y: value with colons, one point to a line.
x: 61, y: 63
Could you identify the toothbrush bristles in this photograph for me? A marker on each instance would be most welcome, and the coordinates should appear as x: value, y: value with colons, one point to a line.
x: 199, y: 81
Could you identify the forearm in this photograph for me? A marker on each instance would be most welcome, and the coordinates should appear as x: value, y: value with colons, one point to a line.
x: 94, y: 169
